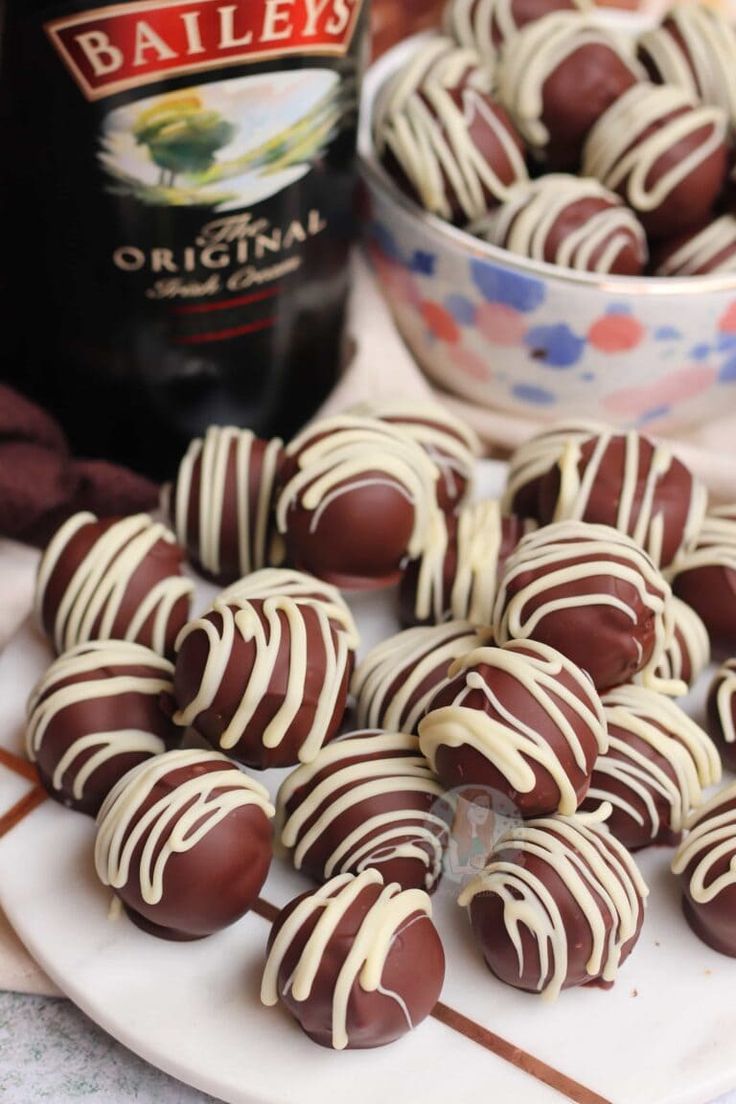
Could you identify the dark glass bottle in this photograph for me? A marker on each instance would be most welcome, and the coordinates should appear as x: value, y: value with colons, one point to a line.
x: 178, y: 206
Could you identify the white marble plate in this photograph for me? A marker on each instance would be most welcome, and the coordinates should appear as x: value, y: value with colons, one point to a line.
x: 663, y: 1035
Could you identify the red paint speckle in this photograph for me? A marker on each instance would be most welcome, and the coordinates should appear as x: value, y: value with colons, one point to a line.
x: 471, y: 364
x: 727, y: 322
x: 501, y: 324
x: 440, y: 322
x: 686, y: 383
x: 615, y: 333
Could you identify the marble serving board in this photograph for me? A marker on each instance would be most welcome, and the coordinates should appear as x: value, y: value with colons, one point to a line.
x: 663, y: 1035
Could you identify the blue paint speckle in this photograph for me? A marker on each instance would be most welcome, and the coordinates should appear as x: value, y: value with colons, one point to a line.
x: 654, y: 413
x: 725, y: 342
x: 385, y: 241
x: 531, y: 394
x: 461, y: 309
x: 555, y: 346
x: 423, y: 264
x: 667, y: 333
x: 727, y: 373
x: 618, y: 308
x: 700, y: 352
x: 587, y: 376
x: 523, y: 293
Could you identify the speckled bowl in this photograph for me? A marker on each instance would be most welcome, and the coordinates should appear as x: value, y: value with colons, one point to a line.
x: 538, y: 340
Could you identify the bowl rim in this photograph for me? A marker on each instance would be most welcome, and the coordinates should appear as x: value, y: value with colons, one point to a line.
x: 376, y: 176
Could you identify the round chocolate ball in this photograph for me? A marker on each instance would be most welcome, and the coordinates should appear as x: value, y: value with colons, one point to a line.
x: 521, y: 721
x: 184, y: 840
x: 557, y: 76
x: 663, y: 153
x: 357, y: 963
x: 367, y: 800
x: 435, y: 59
x: 722, y: 711
x: 357, y: 497
x: 632, y: 484
x: 688, y: 653
x: 706, y: 864
x: 487, y: 25
x: 705, y: 578
x: 263, y: 679
x: 531, y: 461
x: 99, y: 710
x: 222, y: 503
x: 652, y: 775
x: 560, y: 904
x: 457, y: 574
x: 117, y: 579
x: 569, y: 221
x: 709, y: 248
x: 593, y: 594
x: 397, y: 680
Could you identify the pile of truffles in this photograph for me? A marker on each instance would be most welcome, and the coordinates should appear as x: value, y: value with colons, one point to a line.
x: 541, y: 130
x: 546, y: 637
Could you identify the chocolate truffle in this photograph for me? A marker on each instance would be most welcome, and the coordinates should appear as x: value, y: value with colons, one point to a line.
x: 560, y: 904
x: 709, y: 248
x: 451, y: 147
x: 457, y: 574
x: 705, y: 578
x: 722, y: 711
x: 657, y: 761
x: 592, y: 593
x: 436, y: 59
x: 568, y: 221
x: 520, y: 720
x: 487, y: 25
x: 663, y: 153
x: 184, y: 840
x: 357, y: 498
x: 557, y: 76
x: 531, y: 461
x: 694, y: 48
x: 397, y: 680
x: 706, y: 863
x: 99, y: 710
x: 357, y: 963
x: 450, y: 444
x: 367, y: 800
x: 114, y: 579
x: 221, y: 505
x: 626, y: 481
x: 688, y: 653
x: 263, y: 679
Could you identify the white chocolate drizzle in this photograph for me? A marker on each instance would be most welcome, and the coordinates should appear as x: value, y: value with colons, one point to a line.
x: 436, y: 60
x: 174, y: 824
x: 101, y: 581
x: 689, y: 647
x: 409, y: 658
x: 716, y: 543
x: 364, y: 962
x: 49, y: 700
x: 724, y: 685
x: 711, y: 838
x: 380, y: 837
x: 712, y: 249
x: 618, y: 153
x: 284, y: 636
x: 599, y: 875
x: 213, y: 456
x: 544, y: 558
x: 532, y: 460
x: 473, y: 22
x: 513, y: 746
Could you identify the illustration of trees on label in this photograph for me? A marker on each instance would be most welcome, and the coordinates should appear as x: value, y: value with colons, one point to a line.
x: 223, y: 145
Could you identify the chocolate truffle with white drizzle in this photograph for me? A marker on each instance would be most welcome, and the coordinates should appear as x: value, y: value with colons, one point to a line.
x: 531, y: 461
x: 98, y: 711
x: 521, y: 720
x: 557, y: 76
x: 632, y: 484
x: 184, y: 840
x: 705, y: 577
x: 357, y: 497
x: 114, y: 579
x: 487, y: 25
x: 222, y: 502
x: 370, y: 799
x: 663, y: 153
x: 559, y: 904
x: 595, y: 595
x: 722, y: 711
x: 344, y: 961
x: 709, y: 248
x: 688, y: 653
x: 657, y: 764
x: 706, y: 864
x: 264, y: 680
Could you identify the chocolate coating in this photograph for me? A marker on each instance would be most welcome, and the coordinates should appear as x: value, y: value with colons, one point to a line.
x: 706, y: 578
x: 367, y: 800
x: 264, y: 680
x: 521, y: 721
x: 222, y: 503
x: 588, y: 931
x: 591, y: 593
x: 706, y: 865
x: 199, y: 863
x: 697, y: 252
x: 531, y: 461
x: 115, y: 579
x: 722, y: 711
x: 339, y: 998
x: 486, y: 25
x: 100, y: 710
x: 688, y: 653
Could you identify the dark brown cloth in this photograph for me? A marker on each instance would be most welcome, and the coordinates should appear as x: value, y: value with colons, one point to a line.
x: 41, y: 484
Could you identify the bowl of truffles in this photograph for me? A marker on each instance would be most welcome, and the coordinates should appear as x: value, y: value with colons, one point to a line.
x: 552, y: 208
